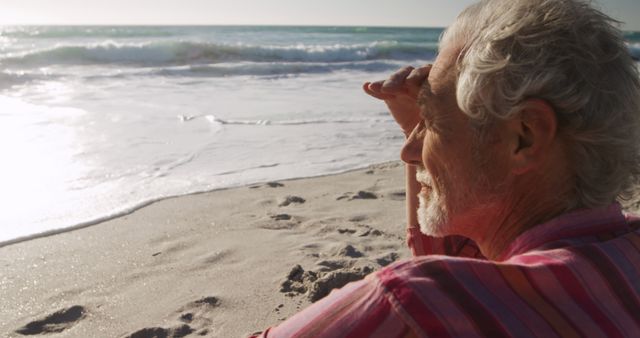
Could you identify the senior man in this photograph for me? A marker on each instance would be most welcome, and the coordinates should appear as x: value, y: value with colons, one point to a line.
x: 522, y: 136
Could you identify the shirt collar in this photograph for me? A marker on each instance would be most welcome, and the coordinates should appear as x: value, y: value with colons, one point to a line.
x: 574, y: 224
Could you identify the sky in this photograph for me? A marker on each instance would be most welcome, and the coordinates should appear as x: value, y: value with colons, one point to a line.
x: 416, y: 13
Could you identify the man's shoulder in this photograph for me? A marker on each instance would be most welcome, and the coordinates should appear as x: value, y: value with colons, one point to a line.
x: 589, y: 255
x: 428, y: 268
x: 416, y: 262
x: 433, y: 273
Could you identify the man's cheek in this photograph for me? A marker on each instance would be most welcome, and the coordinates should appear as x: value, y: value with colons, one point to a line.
x: 437, y: 176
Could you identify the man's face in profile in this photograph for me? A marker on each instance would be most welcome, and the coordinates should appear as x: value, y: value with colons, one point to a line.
x: 456, y: 165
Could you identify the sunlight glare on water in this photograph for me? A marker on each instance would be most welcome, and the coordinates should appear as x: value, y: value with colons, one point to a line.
x: 38, y: 163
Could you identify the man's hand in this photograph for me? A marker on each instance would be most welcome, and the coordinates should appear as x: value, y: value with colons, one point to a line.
x: 400, y: 93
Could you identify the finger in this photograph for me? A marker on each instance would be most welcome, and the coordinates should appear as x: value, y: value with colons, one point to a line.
x: 395, y: 83
x: 418, y: 75
x: 416, y: 78
x: 373, y: 89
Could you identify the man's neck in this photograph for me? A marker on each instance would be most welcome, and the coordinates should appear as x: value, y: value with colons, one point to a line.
x: 535, y: 200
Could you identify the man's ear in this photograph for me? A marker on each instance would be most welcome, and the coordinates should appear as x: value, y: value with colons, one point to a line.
x: 531, y: 135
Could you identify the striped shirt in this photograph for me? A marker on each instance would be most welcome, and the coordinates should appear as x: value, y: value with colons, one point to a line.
x: 574, y: 276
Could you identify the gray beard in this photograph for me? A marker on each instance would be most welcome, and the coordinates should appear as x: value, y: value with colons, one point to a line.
x: 435, y: 218
x: 432, y: 216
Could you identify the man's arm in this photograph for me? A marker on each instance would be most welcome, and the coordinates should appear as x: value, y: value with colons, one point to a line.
x: 400, y: 94
x: 412, y: 189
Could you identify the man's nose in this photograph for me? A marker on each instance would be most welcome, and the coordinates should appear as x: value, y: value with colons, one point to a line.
x: 412, y: 150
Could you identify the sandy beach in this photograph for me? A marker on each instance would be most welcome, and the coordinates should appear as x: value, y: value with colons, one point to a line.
x: 221, y: 264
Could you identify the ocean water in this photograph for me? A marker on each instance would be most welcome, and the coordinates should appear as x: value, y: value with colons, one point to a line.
x: 98, y: 121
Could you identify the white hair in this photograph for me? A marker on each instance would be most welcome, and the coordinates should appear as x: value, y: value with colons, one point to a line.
x: 570, y: 55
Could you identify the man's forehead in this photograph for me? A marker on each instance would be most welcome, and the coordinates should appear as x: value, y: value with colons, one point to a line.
x: 443, y: 73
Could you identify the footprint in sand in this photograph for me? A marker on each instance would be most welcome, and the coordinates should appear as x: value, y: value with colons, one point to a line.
x: 291, y: 199
x: 198, y: 310
x: 368, y: 231
x: 360, y: 195
x: 268, y: 184
x: 364, y: 195
x: 399, y: 195
x: 161, y: 332
x: 358, y: 218
x: 281, y: 217
x: 55, y: 322
x: 282, y: 222
x: 346, y: 231
x: 192, y: 317
x: 206, y: 302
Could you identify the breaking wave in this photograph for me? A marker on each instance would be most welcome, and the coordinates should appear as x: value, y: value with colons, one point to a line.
x: 190, y: 53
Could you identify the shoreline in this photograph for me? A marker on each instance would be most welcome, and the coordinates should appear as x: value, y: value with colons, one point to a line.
x: 217, y: 264
x: 131, y: 209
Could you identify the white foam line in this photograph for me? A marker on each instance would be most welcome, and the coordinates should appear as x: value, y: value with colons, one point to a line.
x: 82, y: 225
x: 132, y: 209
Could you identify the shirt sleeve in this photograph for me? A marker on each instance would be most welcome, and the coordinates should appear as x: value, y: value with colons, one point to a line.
x: 360, y: 309
x: 455, y: 246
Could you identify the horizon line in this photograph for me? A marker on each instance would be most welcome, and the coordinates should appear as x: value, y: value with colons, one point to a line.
x: 231, y: 25
x: 209, y: 24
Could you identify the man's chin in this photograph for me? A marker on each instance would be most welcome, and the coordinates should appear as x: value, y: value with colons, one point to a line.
x: 432, y: 219
x: 432, y: 229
